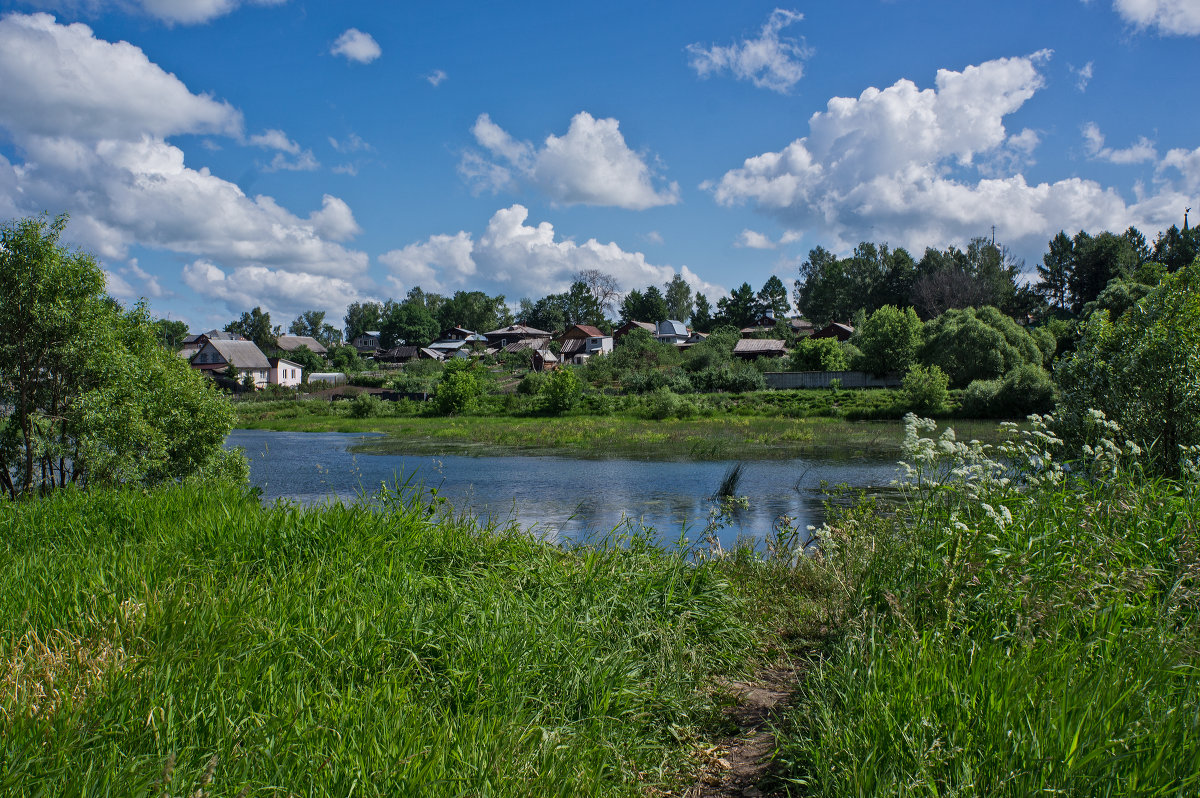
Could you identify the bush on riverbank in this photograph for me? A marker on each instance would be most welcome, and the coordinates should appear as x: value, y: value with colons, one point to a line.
x: 1018, y: 630
x: 386, y: 650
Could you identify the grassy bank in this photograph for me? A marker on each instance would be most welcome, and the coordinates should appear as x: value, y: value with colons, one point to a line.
x: 149, y: 639
x: 749, y: 428
x: 1036, y: 636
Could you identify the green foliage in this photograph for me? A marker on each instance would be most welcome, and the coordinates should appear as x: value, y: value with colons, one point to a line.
x: 561, y: 390
x: 821, y: 354
x: 702, y: 318
x: 365, y: 405
x: 1011, y: 631
x: 345, y: 359
x: 889, y: 340
x: 531, y: 383
x: 773, y: 298
x: 407, y: 323
x: 362, y: 317
x: 255, y: 325
x: 926, y: 388
x: 88, y: 395
x: 649, y: 305
x: 977, y: 344
x: 459, y: 389
x: 170, y: 333
x: 678, y: 299
x: 475, y: 311
x: 386, y: 648
x: 740, y: 308
x: 312, y: 323
x: 663, y: 403
x: 1141, y: 371
x: 1024, y: 390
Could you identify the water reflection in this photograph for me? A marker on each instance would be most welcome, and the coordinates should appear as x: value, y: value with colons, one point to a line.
x: 557, y: 496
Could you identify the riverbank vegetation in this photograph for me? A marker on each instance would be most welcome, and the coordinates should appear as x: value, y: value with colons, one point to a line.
x: 188, y: 638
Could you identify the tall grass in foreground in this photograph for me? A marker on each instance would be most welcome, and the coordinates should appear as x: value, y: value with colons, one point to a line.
x: 1019, y: 630
x: 190, y: 639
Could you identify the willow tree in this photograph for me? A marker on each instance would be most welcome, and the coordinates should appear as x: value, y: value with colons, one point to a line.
x: 88, y: 395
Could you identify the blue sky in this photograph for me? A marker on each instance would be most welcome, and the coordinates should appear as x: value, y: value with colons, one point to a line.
x: 221, y: 154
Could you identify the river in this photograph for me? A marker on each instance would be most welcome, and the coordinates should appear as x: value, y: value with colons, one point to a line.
x: 558, y: 497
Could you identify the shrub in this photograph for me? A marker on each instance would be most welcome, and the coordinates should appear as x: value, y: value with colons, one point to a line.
x: 822, y: 354
x: 889, y: 339
x: 459, y: 389
x: 365, y: 405
x: 531, y: 383
x: 663, y: 404
x: 979, y: 400
x: 926, y: 388
x: 977, y: 344
x: 1141, y: 371
x: 560, y: 391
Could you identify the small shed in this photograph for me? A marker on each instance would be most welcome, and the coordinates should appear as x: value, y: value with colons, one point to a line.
x: 753, y: 348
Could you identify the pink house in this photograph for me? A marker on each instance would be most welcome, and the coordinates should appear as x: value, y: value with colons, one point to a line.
x: 285, y: 373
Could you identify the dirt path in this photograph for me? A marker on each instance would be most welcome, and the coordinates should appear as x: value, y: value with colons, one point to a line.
x: 746, y: 759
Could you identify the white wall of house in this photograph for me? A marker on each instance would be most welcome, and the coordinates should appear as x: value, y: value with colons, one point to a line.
x: 286, y: 373
x: 600, y: 346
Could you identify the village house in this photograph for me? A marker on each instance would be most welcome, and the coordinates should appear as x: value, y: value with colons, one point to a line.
x: 285, y: 373
x: 218, y: 354
x: 672, y: 332
x: 580, y: 341
x: 837, y: 330
x: 754, y: 348
x: 629, y: 327
x: 367, y: 342
x: 516, y: 338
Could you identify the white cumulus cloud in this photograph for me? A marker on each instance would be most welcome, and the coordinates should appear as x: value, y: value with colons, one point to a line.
x: 58, y: 78
x: 172, y: 12
x: 1168, y: 17
x: 90, y: 121
x: 1140, y: 152
x: 517, y: 259
x: 281, y: 292
x: 590, y: 165
x: 770, y: 62
x: 916, y: 168
x: 752, y: 239
x: 1083, y: 75
x: 357, y: 46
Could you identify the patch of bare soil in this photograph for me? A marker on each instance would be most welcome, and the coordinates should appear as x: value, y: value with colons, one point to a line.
x: 740, y: 763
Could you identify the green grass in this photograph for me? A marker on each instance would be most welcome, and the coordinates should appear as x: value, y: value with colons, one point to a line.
x: 748, y: 427
x: 347, y: 650
x: 1056, y: 653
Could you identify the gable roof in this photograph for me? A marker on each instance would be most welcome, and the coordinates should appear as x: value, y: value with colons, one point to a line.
x: 517, y: 330
x: 759, y: 346
x: 290, y: 343
x: 240, y: 354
